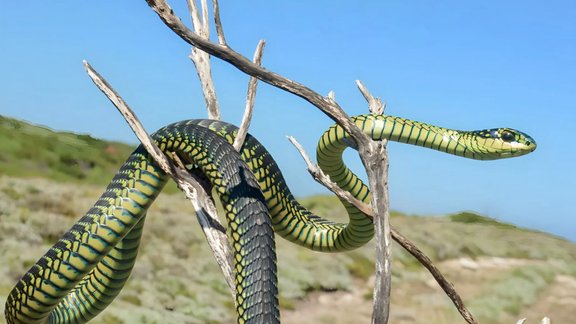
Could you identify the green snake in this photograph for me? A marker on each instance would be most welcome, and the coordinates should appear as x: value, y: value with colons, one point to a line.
x: 86, y: 269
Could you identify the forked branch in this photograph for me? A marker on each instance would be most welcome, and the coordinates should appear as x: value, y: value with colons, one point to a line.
x: 372, y: 153
x: 330, y: 107
x: 201, y: 59
x: 250, y: 96
x: 195, y: 191
x: 375, y: 162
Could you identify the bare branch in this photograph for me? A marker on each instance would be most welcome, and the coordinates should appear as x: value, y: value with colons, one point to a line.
x: 322, y: 178
x: 374, y: 157
x: 442, y: 281
x: 197, y: 193
x: 201, y: 59
x: 375, y: 161
x: 375, y: 104
x: 252, y: 84
x: 330, y: 107
x: 218, y: 23
x: 332, y: 95
x: 195, y: 17
x: 205, y: 21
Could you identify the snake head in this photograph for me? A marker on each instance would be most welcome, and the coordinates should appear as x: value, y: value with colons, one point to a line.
x: 499, y: 143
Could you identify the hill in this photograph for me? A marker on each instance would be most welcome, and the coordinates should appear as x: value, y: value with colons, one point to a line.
x: 32, y: 151
x: 503, y: 272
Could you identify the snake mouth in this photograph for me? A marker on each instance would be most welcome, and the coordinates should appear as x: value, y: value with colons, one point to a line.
x: 520, y: 148
x: 529, y: 142
x: 529, y: 146
x: 518, y: 151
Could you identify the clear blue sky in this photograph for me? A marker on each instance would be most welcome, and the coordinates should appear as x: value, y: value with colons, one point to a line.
x: 459, y: 64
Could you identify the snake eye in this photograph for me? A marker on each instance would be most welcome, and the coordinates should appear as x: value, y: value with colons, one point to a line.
x: 507, y: 136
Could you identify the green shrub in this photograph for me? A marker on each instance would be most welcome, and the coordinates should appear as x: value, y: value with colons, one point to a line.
x: 359, y: 265
x: 468, y: 217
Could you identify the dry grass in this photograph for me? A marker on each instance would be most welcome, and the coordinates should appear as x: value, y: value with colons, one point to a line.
x: 175, y: 279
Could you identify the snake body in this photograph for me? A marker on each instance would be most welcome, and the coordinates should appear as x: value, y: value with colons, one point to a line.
x: 85, y: 270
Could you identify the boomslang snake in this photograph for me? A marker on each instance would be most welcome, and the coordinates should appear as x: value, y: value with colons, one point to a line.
x: 86, y: 269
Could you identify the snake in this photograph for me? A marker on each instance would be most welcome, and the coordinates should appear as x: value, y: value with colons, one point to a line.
x: 82, y: 273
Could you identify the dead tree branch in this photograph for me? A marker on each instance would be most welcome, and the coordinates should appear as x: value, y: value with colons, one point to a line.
x: 201, y: 59
x: 372, y: 153
x: 376, y: 165
x: 442, y: 281
x: 218, y: 23
x: 375, y: 104
x: 323, y: 179
x: 196, y: 192
x: 250, y: 96
x: 329, y: 107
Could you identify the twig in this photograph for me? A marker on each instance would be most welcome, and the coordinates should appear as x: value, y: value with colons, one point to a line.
x: 330, y: 107
x: 442, y: 281
x: 252, y: 84
x: 194, y: 191
x: 201, y: 26
x: 218, y: 23
x: 375, y: 104
x: 205, y: 21
x: 201, y: 59
x: 322, y: 178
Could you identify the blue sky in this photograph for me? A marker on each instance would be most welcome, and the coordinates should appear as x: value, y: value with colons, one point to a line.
x: 459, y: 64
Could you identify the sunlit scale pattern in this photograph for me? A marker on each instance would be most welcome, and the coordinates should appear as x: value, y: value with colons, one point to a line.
x: 103, y: 283
x: 85, y: 270
x: 290, y: 219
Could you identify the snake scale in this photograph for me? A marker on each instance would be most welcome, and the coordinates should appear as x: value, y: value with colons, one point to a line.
x: 86, y: 269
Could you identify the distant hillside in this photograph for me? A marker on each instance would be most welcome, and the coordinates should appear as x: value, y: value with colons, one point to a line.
x: 31, y: 151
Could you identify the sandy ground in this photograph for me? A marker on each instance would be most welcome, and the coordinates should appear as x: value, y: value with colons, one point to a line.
x: 558, y: 301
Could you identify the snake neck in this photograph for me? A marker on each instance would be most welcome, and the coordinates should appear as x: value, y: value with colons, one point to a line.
x: 477, y: 145
x: 335, y: 140
x: 397, y: 129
